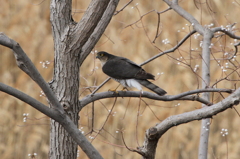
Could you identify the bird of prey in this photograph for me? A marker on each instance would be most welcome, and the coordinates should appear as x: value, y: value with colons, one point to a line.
x: 127, y: 73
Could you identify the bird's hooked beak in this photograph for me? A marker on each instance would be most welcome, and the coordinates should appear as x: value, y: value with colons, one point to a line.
x: 103, y: 59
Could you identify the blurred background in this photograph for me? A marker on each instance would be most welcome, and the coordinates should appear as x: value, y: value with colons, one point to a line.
x: 131, y: 34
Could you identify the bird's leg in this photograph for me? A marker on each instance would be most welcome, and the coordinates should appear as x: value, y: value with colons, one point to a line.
x: 141, y: 93
x: 114, y: 90
x: 124, y: 88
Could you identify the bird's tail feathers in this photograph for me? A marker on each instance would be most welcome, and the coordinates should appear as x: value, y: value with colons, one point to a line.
x: 152, y: 87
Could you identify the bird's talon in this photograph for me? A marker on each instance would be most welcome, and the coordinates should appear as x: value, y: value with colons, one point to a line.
x: 113, y: 90
x: 124, y: 89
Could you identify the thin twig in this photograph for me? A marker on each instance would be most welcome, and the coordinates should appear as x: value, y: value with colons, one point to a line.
x: 236, y: 50
x: 140, y: 18
x: 133, y: 150
x: 158, y: 24
x: 123, y: 7
x: 170, y: 50
x: 236, y: 111
x: 100, y: 86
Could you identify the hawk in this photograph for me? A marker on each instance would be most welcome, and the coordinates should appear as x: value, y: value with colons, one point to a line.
x: 127, y: 73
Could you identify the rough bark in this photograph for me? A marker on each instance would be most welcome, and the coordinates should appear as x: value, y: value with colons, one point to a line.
x: 56, y: 112
x: 65, y: 80
x: 69, y: 39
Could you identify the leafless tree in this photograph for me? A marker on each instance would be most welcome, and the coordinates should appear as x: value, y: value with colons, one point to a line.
x: 73, y: 41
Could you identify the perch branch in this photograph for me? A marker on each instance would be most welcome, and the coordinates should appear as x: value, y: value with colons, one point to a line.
x: 182, y: 96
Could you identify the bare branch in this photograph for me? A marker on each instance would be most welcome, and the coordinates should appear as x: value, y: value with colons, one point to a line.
x: 174, y: 5
x: 25, y: 64
x: 170, y: 50
x: 140, y: 18
x: 231, y: 34
x: 99, y: 30
x: 65, y: 121
x: 100, y: 86
x: 236, y: 50
x: 29, y: 100
x: 154, y: 134
x: 93, y: 16
x: 123, y: 7
x: 182, y: 96
x: 133, y: 150
x: 158, y: 26
x: 226, y: 31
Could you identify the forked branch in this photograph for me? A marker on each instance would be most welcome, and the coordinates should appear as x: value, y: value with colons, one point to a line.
x: 25, y: 64
x: 154, y: 133
x: 57, y: 113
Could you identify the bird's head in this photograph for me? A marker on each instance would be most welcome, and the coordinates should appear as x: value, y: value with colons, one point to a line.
x: 103, y: 57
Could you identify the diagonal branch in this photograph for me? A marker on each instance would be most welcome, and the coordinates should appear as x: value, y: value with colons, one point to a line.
x: 91, y: 18
x: 123, y: 7
x: 25, y: 64
x: 174, y: 5
x: 170, y: 50
x: 29, y: 100
x: 99, y: 30
x: 58, y: 113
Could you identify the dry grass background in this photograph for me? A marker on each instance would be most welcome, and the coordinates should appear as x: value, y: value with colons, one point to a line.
x: 27, y: 22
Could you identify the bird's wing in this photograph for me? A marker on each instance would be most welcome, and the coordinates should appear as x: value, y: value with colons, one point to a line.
x: 129, y: 61
x: 120, y: 68
x: 141, y: 74
x: 123, y: 68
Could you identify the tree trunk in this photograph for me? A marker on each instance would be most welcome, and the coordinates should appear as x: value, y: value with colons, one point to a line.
x: 65, y: 81
x: 71, y: 46
x: 204, y: 137
x: 65, y: 85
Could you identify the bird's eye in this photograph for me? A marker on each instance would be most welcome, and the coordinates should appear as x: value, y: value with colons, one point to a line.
x: 101, y: 54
